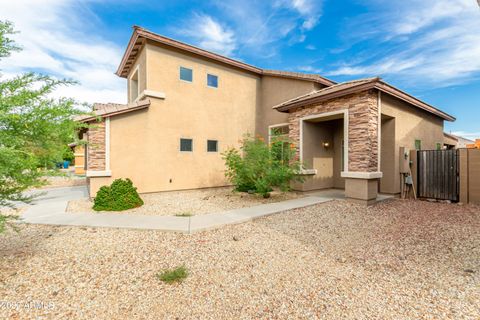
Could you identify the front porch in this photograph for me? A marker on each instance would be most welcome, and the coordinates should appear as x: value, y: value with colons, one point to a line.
x: 338, y: 143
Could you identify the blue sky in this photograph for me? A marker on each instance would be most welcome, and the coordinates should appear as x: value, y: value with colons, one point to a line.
x: 429, y: 48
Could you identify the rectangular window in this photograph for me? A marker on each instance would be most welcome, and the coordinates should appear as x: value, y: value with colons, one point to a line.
x: 186, y: 144
x: 212, y: 81
x: 418, y: 144
x: 134, y: 86
x: 279, y: 142
x: 278, y: 132
x: 212, y: 145
x: 186, y: 74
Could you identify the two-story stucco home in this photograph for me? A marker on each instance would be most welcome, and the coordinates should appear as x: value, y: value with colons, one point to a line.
x: 187, y: 105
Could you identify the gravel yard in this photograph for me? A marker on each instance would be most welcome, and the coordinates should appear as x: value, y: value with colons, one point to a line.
x: 191, y: 202
x: 396, y: 260
x: 63, y: 181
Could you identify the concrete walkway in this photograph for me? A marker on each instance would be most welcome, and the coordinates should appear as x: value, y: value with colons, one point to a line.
x: 50, y: 209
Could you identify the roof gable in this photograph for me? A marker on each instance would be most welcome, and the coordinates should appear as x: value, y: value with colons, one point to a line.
x: 349, y: 87
x: 140, y: 36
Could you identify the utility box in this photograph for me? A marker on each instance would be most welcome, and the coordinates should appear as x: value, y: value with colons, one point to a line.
x: 404, y: 160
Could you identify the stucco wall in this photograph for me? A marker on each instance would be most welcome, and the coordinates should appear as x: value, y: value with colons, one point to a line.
x: 141, y: 63
x: 145, y: 145
x: 275, y: 90
x: 388, y: 157
x: 411, y: 123
x: 327, y: 161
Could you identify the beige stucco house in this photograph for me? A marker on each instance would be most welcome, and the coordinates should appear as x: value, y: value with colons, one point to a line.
x: 187, y: 105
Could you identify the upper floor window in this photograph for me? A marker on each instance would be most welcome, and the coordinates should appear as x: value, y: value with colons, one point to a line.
x: 186, y: 74
x: 134, y: 86
x: 212, y: 80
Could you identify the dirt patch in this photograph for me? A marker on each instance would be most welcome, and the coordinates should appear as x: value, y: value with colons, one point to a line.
x: 63, y: 181
x: 396, y: 260
x: 191, y: 202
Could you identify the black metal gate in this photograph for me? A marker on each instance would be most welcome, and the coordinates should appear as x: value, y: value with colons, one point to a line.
x: 438, y: 174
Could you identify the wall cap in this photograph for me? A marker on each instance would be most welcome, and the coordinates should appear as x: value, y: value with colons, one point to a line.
x: 103, y: 173
x: 308, y: 172
x: 151, y: 93
x: 361, y: 175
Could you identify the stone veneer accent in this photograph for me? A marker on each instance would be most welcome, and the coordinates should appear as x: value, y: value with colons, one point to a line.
x: 96, y: 146
x: 362, y: 127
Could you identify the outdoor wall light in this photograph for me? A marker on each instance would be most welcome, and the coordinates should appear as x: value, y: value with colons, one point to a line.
x: 325, y: 144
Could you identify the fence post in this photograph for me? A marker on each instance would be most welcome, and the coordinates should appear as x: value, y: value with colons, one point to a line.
x: 463, y: 175
x: 414, y: 168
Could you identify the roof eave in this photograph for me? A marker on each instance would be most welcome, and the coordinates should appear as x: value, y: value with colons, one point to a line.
x: 126, y: 54
x: 379, y: 85
x: 333, y: 95
x: 385, y: 87
x: 140, y: 105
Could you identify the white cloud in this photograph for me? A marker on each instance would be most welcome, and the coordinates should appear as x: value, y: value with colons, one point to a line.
x: 467, y: 135
x: 56, y: 39
x: 211, y: 35
x: 310, y: 10
x: 246, y: 27
x: 435, y: 41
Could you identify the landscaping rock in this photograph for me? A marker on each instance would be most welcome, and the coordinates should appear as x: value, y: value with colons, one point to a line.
x: 286, y: 268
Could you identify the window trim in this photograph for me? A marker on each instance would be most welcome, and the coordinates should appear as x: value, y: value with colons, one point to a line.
x: 273, y: 126
x: 216, y: 146
x: 212, y: 74
x: 135, y: 71
x: 180, y: 145
x: 180, y: 74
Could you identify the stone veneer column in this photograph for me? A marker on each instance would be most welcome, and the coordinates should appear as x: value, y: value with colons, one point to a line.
x: 96, y: 147
x: 361, y: 178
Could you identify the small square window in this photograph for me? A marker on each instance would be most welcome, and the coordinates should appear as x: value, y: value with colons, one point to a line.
x: 186, y: 144
x: 186, y: 74
x: 418, y: 144
x: 212, y: 146
x: 212, y: 81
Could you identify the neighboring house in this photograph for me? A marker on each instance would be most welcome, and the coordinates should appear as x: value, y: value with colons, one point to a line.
x: 187, y: 105
x: 452, y: 141
x: 79, y: 154
x: 474, y: 144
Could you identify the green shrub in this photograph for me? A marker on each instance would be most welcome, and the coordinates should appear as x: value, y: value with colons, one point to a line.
x: 176, y: 275
x: 68, y: 154
x: 259, y: 167
x: 120, y: 195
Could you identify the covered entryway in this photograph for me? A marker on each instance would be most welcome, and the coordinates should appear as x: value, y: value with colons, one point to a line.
x: 323, y: 151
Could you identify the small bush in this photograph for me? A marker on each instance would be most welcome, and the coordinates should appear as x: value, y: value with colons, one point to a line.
x: 175, y: 275
x: 259, y: 166
x: 120, y: 195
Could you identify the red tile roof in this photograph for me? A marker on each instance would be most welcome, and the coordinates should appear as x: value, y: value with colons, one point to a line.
x: 102, y: 110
